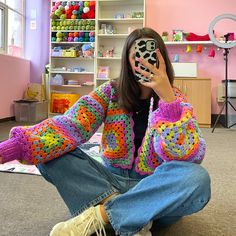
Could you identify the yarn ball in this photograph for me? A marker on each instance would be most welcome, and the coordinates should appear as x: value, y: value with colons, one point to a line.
x: 63, y: 16
x: 74, y: 12
x: 57, y: 4
x: 58, y: 12
x: 81, y: 3
x: 61, y: 8
x: 76, y: 39
x: 92, y: 8
x: 76, y: 34
x: 86, y: 47
x: 91, y: 34
x: 70, y: 39
x: 91, y: 14
x: 54, y: 8
x: 71, y: 34
x: 92, y: 39
x: 63, y: 3
x: 92, y: 3
x: 84, y: 16
x: 86, y: 39
x: 53, y: 16
x: 76, y: 7
x: 86, y: 10
x: 86, y: 4
x: 68, y: 3
x: 68, y: 16
x: 81, y: 34
x: 81, y: 39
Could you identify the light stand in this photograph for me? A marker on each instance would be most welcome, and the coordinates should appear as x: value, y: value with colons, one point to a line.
x: 226, y: 46
x: 226, y: 102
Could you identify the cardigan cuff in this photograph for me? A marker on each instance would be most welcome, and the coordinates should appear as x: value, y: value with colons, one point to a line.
x: 9, y: 150
x: 170, y: 111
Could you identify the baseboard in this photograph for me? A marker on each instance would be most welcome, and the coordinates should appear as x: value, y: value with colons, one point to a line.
x: 7, y: 119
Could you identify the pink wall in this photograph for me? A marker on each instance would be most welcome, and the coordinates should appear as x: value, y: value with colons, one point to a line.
x: 195, y: 16
x: 15, y: 75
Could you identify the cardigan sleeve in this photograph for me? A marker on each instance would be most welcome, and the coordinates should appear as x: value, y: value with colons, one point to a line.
x: 56, y: 136
x: 176, y: 132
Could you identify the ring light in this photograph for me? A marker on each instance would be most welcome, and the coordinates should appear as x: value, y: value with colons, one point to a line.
x: 211, y: 33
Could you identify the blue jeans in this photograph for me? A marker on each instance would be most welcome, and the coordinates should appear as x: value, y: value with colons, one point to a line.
x: 174, y: 190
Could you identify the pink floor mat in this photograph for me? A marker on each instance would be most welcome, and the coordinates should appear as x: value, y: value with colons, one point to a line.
x: 91, y: 148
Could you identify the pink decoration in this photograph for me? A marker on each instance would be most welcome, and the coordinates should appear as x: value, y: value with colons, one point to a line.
x: 199, y: 49
x: 212, y: 53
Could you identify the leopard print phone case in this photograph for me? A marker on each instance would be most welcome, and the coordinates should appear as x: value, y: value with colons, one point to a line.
x: 145, y: 48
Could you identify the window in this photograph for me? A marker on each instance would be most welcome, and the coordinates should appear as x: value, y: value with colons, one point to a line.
x: 12, y: 27
x: 2, y: 29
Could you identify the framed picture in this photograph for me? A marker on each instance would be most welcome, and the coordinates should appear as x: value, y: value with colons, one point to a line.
x: 103, y: 72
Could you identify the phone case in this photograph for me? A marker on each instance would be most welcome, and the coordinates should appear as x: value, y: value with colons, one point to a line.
x: 145, y: 48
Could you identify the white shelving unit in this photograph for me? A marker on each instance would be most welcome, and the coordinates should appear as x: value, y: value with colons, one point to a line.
x: 118, y: 14
x: 189, y: 43
x: 77, y: 71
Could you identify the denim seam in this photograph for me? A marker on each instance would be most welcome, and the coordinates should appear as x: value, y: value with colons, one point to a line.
x: 108, y: 205
x: 204, y: 201
x: 95, y: 201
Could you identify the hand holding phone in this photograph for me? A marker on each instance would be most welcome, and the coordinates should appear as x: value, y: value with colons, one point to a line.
x: 145, y: 48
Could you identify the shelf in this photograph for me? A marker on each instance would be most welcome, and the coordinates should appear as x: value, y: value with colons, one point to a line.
x: 122, y: 20
x: 103, y: 79
x: 71, y: 72
x: 109, y: 58
x: 71, y: 86
x: 113, y: 35
x: 71, y: 19
x: 115, y: 3
x: 71, y: 42
x: 72, y: 31
x: 192, y: 42
x: 54, y: 1
x: 187, y: 42
x: 73, y: 58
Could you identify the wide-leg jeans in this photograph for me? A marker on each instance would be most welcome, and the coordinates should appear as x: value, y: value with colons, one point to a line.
x: 174, y: 190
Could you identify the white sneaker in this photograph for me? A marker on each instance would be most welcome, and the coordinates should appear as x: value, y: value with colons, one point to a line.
x: 85, y: 224
x: 145, y: 231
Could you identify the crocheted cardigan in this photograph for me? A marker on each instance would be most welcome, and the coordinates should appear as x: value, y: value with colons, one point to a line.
x: 172, y: 133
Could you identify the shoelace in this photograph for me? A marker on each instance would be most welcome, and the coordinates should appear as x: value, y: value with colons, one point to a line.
x: 95, y: 222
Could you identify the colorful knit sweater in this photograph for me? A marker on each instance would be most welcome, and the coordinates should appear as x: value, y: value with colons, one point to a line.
x: 172, y: 134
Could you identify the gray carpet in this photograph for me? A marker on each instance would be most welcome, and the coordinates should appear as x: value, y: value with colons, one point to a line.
x: 29, y: 206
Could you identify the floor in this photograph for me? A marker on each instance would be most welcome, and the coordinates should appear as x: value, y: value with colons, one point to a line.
x: 31, y: 206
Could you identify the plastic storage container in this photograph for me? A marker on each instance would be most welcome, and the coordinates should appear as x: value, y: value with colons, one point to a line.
x: 231, y: 87
x: 232, y: 112
x: 30, y: 111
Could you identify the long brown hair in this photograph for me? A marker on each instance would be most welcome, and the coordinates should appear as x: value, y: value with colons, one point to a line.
x: 128, y: 88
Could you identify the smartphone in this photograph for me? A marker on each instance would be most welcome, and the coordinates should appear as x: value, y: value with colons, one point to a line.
x: 145, y: 48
